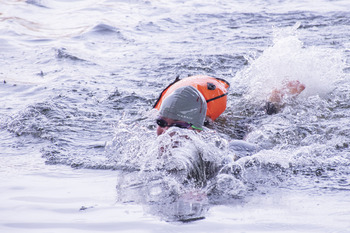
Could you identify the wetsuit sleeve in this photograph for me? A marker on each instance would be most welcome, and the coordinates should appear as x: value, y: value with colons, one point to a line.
x: 271, y: 108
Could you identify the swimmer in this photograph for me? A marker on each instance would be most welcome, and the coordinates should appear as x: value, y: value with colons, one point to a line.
x: 186, y: 107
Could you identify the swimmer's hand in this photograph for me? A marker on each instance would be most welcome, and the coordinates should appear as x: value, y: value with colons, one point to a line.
x: 291, y: 88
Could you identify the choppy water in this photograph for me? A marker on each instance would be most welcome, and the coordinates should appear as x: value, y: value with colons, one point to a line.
x: 78, y: 143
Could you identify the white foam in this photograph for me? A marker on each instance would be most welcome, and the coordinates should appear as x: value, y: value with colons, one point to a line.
x: 288, y: 59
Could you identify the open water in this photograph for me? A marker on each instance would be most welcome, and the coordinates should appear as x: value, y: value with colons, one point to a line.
x: 78, y: 149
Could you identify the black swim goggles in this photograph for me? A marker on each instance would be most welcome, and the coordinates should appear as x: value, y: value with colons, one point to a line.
x: 163, y: 123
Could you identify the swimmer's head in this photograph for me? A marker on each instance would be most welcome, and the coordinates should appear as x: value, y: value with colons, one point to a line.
x: 185, y: 104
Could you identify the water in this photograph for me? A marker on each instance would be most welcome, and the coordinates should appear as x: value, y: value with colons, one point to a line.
x: 78, y: 144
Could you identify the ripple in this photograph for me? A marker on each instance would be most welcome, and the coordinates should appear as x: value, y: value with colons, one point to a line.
x: 63, y: 54
x: 38, y: 3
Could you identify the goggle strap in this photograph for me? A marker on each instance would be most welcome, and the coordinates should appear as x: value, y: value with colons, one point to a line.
x: 194, y: 127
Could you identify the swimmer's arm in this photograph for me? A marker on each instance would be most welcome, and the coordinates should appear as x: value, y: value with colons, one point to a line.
x: 275, y: 100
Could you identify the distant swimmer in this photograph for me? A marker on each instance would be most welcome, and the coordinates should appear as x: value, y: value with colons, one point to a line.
x: 190, y: 102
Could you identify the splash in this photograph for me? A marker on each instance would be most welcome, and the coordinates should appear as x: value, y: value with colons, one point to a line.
x: 178, y: 151
x: 288, y: 59
x: 172, y: 175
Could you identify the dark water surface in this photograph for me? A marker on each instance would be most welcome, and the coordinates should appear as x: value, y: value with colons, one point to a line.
x: 77, y: 85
